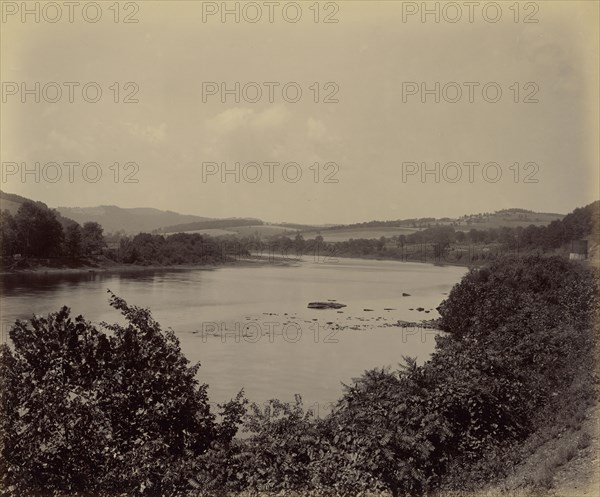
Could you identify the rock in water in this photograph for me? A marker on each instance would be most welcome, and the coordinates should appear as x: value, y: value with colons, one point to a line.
x: 325, y: 305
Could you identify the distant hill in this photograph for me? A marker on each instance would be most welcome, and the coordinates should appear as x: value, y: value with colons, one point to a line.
x: 135, y: 220
x: 211, y: 224
x: 132, y: 220
x: 147, y: 219
x: 507, y: 217
x: 375, y: 229
x: 240, y: 227
x: 11, y: 202
x: 342, y: 233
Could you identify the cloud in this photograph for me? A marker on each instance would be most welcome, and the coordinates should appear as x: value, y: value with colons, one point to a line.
x: 150, y: 134
x: 234, y: 119
x: 229, y: 120
x: 271, y: 117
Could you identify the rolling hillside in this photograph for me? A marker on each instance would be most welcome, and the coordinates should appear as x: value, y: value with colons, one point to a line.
x: 376, y: 229
x: 133, y: 220
x: 511, y: 218
x: 12, y: 202
x: 198, y: 226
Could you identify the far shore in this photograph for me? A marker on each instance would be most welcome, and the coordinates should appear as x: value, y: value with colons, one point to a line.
x: 106, y: 266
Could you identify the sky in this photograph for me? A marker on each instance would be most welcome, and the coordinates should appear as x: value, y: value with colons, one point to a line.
x: 356, y: 135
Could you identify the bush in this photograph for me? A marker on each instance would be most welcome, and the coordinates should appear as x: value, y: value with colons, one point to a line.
x: 116, y: 409
x: 533, y: 292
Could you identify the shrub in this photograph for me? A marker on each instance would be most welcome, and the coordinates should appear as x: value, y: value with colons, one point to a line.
x: 533, y: 292
x: 116, y: 409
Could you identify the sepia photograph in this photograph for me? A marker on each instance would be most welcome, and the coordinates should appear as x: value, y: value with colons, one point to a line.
x: 312, y: 248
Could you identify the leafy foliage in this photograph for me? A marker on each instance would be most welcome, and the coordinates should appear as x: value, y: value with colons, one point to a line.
x: 36, y: 231
x: 532, y: 293
x: 146, y: 249
x: 92, y: 238
x: 116, y: 409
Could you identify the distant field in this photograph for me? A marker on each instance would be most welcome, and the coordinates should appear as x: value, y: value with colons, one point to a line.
x: 537, y: 219
x: 329, y: 236
x: 208, y: 231
x: 493, y: 221
x: 262, y: 230
x: 342, y: 235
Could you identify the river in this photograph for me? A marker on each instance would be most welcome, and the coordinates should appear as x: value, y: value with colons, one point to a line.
x: 249, y: 325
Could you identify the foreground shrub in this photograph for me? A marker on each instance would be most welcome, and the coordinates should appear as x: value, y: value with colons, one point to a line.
x: 116, y: 409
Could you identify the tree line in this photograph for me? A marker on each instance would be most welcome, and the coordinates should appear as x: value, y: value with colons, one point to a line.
x: 37, y: 231
x: 428, y: 244
x: 179, y: 248
x: 441, y: 238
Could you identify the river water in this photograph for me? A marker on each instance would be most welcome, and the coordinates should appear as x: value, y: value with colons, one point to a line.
x: 249, y: 325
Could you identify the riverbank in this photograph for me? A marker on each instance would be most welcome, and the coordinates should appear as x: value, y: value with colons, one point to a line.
x: 104, y: 265
x: 449, y: 259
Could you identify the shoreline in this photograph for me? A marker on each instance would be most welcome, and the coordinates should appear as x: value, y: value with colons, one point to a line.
x: 136, y: 268
x: 106, y: 266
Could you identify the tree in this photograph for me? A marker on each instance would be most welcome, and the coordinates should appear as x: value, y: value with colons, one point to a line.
x: 442, y: 237
x: 8, y: 237
x: 476, y: 236
x: 73, y: 240
x: 92, y: 238
x: 299, y: 244
x: 38, y: 231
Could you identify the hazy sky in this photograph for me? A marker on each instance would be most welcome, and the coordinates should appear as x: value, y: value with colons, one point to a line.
x: 373, y: 59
